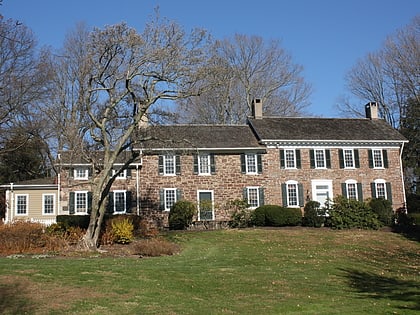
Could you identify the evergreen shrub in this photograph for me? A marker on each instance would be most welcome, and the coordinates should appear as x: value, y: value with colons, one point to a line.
x: 181, y: 215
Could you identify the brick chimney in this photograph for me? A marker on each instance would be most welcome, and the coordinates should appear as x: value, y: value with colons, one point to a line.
x: 371, y: 109
x: 257, y: 108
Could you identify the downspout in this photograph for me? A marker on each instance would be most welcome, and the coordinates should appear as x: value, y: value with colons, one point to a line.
x: 402, y: 177
x: 58, y: 194
x: 137, y: 189
x: 12, y: 201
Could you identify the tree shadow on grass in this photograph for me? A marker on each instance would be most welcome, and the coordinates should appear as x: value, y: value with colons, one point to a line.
x: 373, y: 286
x: 14, y: 299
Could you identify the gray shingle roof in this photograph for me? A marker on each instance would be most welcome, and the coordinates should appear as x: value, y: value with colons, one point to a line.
x: 214, y: 137
x: 329, y: 129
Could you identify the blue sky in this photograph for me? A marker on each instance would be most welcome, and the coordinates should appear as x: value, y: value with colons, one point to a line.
x: 326, y: 37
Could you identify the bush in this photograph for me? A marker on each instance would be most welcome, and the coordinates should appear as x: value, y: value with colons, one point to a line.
x: 348, y: 214
x: 314, y: 216
x: 383, y: 208
x: 156, y: 247
x: 241, y: 216
x: 181, y: 215
x: 122, y: 230
x: 413, y: 203
x: 272, y: 215
x: 81, y: 221
x: 70, y: 234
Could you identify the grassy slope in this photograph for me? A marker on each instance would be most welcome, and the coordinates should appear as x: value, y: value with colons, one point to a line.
x: 263, y: 271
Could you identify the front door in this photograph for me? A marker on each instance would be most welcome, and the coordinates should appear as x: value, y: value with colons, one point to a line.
x: 322, y: 191
x: 205, y: 205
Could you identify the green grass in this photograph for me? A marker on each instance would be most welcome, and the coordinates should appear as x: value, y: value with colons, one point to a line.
x: 261, y: 271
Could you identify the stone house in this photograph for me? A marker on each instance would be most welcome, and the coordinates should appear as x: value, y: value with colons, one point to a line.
x: 270, y: 160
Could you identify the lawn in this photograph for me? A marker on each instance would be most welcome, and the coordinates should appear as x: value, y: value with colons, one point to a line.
x: 249, y: 271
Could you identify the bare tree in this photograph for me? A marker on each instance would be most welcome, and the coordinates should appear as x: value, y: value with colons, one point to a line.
x: 117, y: 74
x: 244, y: 68
x: 389, y: 77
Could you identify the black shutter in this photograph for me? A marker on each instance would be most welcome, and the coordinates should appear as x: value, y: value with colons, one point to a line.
x: 359, y: 191
x: 177, y: 165
x: 128, y: 201
x: 162, y: 199
x: 259, y: 163
x: 261, y: 195
x: 370, y: 154
x: 328, y: 158
x: 71, y: 173
x: 312, y: 156
x: 243, y: 164
x: 128, y: 172
x: 71, y: 202
x: 373, y: 189
x: 110, y: 204
x: 341, y: 157
x: 245, y: 194
x: 282, y: 162
x: 385, y: 157
x: 298, y: 159
x: 212, y: 164
x: 300, y: 195
x: 284, y: 194
x: 160, y: 168
x: 388, y: 192
x: 356, y: 158
x: 344, y: 190
x: 89, y: 201
x: 195, y: 162
x: 178, y: 194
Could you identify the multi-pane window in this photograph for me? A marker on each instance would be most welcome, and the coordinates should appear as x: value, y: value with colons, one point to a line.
x: 169, y: 164
x: 380, y: 190
x: 21, y: 204
x: 290, y: 158
x: 121, y: 175
x: 81, y: 173
x: 348, y: 158
x: 377, y: 158
x: 254, y: 196
x: 48, y: 203
x: 204, y: 164
x: 320, y: 158
x: 351, y: 191
x: 292, y: 194
x: 119, y: 201
x: 81, y: 202
x: 169, y: 198
x: 251, y: 163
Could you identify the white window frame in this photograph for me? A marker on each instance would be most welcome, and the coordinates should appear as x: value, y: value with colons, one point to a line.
x: 353, y: 161
x: 377, y: 183
x: 167, y: 158
x: 348, y: 183
x: 44, y: 204
x: 291, y: 183
x: 381, y: 156
x: 204, y: 164
x: 248, y: 163
x: 122, y: 175
x: 212, y: 203
x: 257, y: 190
x: 114, y: 204
x: 168, y: 207
x: 80, y: 192
x: 17, y: 197
x: 78, y: 173
x: 293, y: 152
x: 324, y: 158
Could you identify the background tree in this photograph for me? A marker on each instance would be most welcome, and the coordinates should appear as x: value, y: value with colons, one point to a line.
x: 120, y: 74
x: 389, y: 77
x: 241, y: 69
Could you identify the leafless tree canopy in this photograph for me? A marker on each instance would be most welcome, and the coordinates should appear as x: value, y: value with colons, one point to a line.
x: 241, y: 69
x: 390, y: 76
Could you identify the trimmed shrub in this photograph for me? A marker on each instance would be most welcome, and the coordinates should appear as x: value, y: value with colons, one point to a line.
x: 181, y: 215
x: 273, y: 215
x: 81, y: 221
x: 348, y: 214
x: 156, y: 247
x: 241, y: 216
x: 314, y: 216
x: 383, y: 208
x: 413, y: 203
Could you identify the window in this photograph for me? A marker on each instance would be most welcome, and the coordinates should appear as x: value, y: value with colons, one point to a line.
x: 292, y: 194
x: 121, y: 175
x: 251, y: 163
x: 254, y: 196
x: 81, y: 202
x: 290, y: 159
x: 349, y: 158
x: 378, y: 158
x: 320, y: 158
x: 168, y: 197
x: 169, y: 165
x: 48, y: 203
x: 81, y: 173
x: 352, y: 190
x: 205, y: 205
x: 119, y: 201
x: 204, y: 164
x: 21, y: 204
x: 381, y: 189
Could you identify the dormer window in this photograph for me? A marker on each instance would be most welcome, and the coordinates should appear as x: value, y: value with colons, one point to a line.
x: 81, y: 173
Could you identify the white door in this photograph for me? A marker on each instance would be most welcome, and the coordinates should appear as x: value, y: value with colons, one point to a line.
x: 322, y: 191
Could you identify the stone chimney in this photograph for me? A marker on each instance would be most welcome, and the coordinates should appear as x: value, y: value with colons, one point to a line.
x: 257, y: 108
x: 371, y: 109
